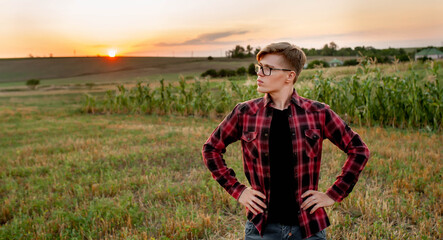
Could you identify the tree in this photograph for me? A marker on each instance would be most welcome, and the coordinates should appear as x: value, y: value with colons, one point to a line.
x: 257, y: 50
x: 333, y: 46
x: 326, y: 51
x: 346, y: 52
x: 249, y: 50
x: 32, y: 83
x: 239, y: 52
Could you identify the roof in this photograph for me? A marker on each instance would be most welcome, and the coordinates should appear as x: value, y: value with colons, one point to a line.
x: 335, y: 60
x: 429, y: 51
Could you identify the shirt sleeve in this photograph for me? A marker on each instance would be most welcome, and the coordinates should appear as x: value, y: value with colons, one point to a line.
x: 339, y: 133
x: 226, y: 133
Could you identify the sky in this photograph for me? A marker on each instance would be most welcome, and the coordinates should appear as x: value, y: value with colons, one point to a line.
x: 209, y: 27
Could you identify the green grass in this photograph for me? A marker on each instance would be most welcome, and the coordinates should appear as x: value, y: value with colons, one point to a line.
x: 66, y: 175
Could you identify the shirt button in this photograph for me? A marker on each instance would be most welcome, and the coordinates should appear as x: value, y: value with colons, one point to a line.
x: 266, y: 154
x: 290, y: 115
x: 293, y: 134
x: 266, y: 134
x: 268, y: 175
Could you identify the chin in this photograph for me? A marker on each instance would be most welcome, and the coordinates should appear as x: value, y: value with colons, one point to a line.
x: 261, y: 90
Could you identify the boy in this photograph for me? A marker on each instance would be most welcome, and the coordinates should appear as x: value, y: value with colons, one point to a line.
x: 281, y: 137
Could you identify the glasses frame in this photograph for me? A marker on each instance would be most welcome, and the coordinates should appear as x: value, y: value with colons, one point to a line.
x: 270, y: 69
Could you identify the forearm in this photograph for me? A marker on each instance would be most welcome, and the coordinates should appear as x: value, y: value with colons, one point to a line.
x: 220, y: 172
x: 358, y: 155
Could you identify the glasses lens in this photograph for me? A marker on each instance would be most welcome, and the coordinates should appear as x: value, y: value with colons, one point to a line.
x: 257, y: 68
x: 266, y: 71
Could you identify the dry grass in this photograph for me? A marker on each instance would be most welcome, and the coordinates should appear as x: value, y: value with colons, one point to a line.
x: 65, y: 175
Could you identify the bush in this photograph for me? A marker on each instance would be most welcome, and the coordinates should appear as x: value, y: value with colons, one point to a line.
x: 251, y: 69
x: 32, y: 83
x: 316, y: 63
x: 424, y: 59
x: 222, y: 73
x: 350, y: 62
x: 241, y: 71
x: 90, y: 85
x: 211, y: 72
x: 403, y: 58
x: 226, y: 73
x: 210, y: 58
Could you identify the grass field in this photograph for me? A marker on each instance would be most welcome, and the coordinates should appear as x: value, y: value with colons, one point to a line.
x: 14, y: 72
x: 67, y: 175
x: 59, y: 71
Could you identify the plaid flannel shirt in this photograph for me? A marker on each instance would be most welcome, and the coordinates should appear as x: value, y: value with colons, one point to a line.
x: 310, y: 123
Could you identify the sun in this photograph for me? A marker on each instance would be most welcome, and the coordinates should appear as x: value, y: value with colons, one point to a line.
x: 112, y: 52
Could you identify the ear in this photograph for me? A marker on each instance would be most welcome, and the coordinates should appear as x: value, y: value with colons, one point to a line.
x: 292, y: 78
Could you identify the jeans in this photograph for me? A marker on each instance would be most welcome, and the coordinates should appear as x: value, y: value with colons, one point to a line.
x: 275, y: 231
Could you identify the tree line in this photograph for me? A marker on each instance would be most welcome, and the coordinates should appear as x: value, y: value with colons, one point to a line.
x: 242, y: 52
x: 332, y: 49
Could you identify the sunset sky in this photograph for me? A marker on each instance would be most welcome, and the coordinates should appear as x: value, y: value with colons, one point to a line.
x: 209, y: 27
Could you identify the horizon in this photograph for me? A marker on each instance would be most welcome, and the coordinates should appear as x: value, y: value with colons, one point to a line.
x: 146, y: 56
x: 174, y: 28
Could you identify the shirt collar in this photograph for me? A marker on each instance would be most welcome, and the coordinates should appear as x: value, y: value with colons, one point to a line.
x: 295, y: 99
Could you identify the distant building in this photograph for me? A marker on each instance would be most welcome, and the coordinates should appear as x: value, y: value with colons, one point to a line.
x: 335, y: 62
x: 432, y: 53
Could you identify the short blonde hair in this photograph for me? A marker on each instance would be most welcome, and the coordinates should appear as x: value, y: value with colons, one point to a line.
x: 294, y: 56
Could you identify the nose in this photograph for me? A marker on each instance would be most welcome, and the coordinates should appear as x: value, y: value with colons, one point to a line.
x: 260, y: 73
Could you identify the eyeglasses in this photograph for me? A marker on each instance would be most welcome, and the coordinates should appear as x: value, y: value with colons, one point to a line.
x: 267, y: 70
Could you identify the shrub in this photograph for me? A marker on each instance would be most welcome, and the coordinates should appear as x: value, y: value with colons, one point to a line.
x: 90, y: 85
x: 241, y: 71
x: 350, y: 62
x: 403, y: 58
x: 211, y: 72
x: 424, y: 59
x: 251, y: 69
x: 318, y: 63
x: 32, y: 83
x: 210, y: 58
x: 226, y: 73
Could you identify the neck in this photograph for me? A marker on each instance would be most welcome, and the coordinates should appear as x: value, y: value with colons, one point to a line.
x: 280, y: 100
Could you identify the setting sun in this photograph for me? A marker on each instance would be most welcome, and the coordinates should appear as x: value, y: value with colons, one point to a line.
x: 111, y: 52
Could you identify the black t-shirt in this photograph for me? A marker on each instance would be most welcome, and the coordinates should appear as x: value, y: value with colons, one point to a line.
x: 282, y: 207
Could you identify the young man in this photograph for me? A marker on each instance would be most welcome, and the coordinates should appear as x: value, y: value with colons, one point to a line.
x: 281, y: 137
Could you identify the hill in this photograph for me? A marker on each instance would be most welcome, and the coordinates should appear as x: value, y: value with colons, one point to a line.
x: 105, y: 69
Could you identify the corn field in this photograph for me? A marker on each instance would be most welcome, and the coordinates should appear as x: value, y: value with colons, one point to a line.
x: 367, y: 97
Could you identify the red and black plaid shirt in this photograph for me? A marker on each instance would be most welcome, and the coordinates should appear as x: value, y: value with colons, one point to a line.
x: 310, y: 122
